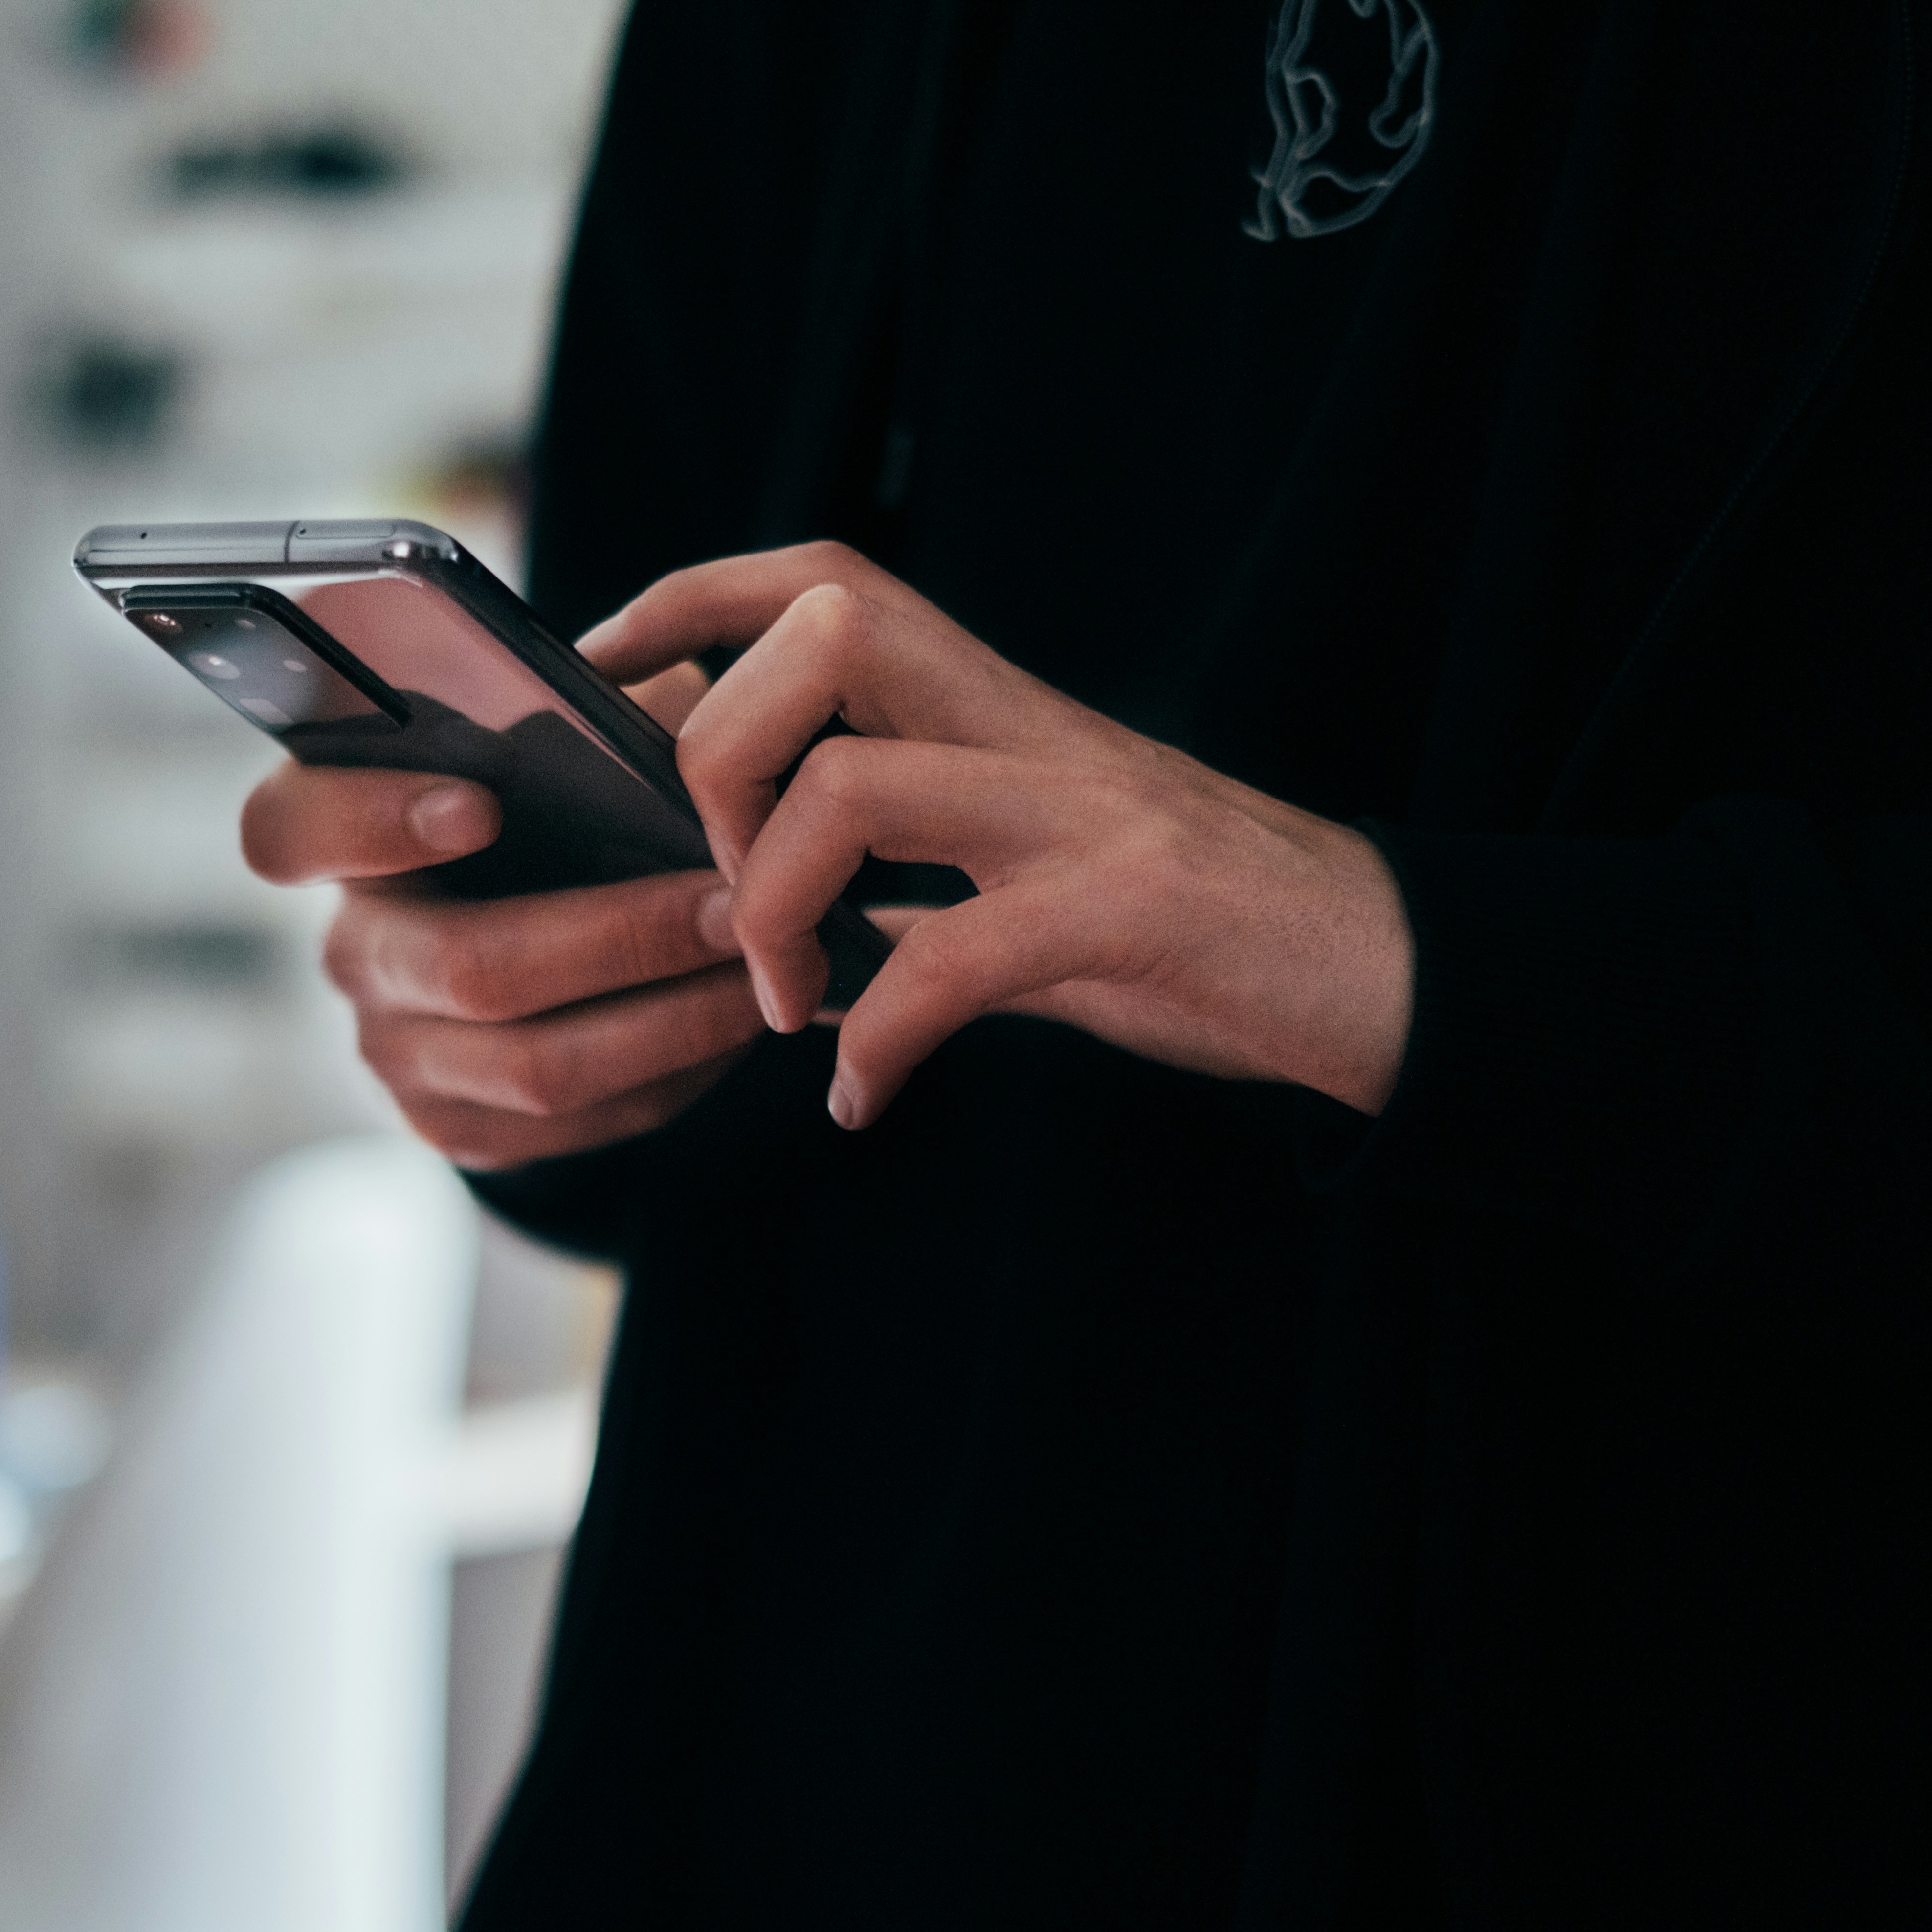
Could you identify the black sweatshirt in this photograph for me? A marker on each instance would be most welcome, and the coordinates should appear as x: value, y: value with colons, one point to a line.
x: 1099, y: 1496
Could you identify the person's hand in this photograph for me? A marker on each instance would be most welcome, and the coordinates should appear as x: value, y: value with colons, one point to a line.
x: 516, y: 1029
x: 1124, y: 887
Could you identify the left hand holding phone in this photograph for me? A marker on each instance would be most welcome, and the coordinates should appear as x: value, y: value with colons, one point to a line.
x: 513, y: 1030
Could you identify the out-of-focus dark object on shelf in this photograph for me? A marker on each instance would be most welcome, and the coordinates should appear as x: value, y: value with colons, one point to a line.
x: 110, y: 396
x: 198, y: 956
x: 336, y: 161
x: 147, y: 37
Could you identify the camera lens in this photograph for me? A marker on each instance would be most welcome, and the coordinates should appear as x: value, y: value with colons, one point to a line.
x: 212, y: 666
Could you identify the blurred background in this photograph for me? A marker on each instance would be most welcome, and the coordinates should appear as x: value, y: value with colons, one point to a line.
x: 258, y: 259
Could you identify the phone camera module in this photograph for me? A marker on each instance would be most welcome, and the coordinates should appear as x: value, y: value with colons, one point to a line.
x: 209, y: 665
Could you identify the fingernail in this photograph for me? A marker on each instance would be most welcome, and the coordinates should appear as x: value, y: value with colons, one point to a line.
x: 714, y: 921
x: 767, y: 1005
x: 841, y: 1103
x: 596, y: 640
x: 450, y: 818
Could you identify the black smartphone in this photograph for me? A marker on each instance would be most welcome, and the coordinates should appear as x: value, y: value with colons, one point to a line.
x: 388, y: 644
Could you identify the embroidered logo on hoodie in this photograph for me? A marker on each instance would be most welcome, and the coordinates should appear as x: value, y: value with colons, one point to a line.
x: 1352, y: 91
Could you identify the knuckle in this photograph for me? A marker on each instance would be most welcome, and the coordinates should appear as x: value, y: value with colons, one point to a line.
x: 699, y: 753
x: 343, y: 963
x: 467, y: 978
x: 839, y: 618
x: 931, y: 951
x: 632, y: 942
x: 1165, y: 844
x: 1136, y: 820
x: 835, y: 770
x: 473, y: 960
x: 751, y: 922
x: 528, y: 1074
x: 381, y: 1052
x: 672, y: 583
x: 834, y: 559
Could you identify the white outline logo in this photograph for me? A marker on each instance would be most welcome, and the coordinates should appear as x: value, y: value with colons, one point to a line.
x: 1306, y: 106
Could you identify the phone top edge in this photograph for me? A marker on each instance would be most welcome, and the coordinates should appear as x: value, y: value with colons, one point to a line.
x: 137, y: 546
x: 177, y: 549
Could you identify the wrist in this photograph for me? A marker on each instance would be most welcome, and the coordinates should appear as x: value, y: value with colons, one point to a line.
x: 1352, y: 1044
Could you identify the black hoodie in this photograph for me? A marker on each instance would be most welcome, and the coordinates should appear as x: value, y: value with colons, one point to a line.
x: 1098, y: 1496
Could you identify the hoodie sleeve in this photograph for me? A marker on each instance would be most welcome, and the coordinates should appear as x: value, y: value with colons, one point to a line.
x: 1635, y: 1038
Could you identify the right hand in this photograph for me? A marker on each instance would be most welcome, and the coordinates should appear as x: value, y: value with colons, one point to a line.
x: 511, y: 1030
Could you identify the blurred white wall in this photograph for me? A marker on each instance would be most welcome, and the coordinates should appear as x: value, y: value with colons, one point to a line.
x: 245, y: 350
x: 306, y: 354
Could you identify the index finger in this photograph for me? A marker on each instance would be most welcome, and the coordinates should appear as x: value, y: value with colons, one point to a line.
x: 507, y: 959
x: 305, y: 823
x: 734, y: 600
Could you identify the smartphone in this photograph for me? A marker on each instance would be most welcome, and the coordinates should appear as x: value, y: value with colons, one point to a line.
x: 387, y: 643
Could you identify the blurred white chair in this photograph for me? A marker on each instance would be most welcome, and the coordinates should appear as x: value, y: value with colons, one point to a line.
x: 221, y: 1704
